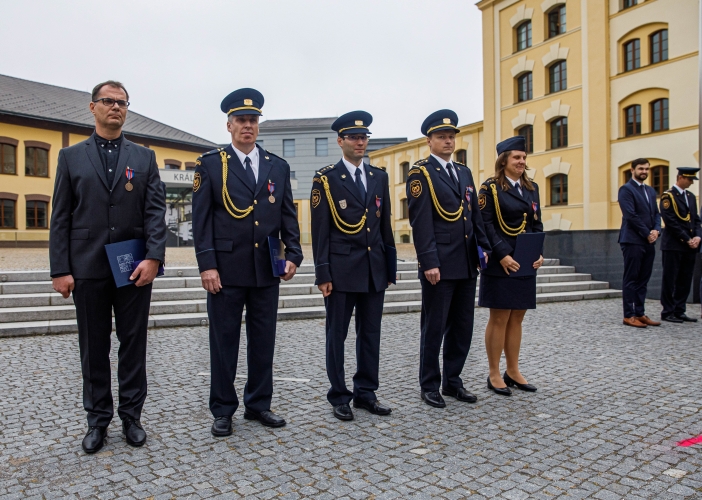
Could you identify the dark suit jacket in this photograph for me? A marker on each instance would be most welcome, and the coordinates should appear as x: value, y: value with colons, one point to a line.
x: 513, y: 206
x: 351, y: 261
x: 639, y: 216
x: 450, y: 246
x: 88, y: 214
x: 238, y: 248
x: 678, y: 232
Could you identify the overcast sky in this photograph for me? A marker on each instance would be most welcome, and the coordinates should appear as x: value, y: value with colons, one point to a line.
x: 397, y: 59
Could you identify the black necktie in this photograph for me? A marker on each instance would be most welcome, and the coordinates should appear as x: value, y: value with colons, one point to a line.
x: 359, y: 184
x: 453, y: 176
x: 250, y: 174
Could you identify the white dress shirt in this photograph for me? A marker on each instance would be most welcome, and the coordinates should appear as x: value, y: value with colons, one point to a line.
x: 682, y: 192
x: 352, y: 170
x: 516, y: 184
x: 253, y: 156
x: 445, y: 164
x: 641, y: 184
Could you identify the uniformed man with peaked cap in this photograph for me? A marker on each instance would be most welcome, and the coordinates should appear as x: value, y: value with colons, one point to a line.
x: 355, y: 261
x: 241, y: 196
x: 680, y: 243
x: 447, y: 230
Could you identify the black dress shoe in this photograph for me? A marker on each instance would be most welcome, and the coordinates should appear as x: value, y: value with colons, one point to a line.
x: 267, y: 418
x: 343, y: 412
x: 222, y: 426
x: 671, y: 319
x: 511, y: 383
x: 372, y: 406
x: 460, y: 394
x: 94, y: 439
x: 133, y: 432
x: 685, y: 317
x: 502, y: 391
x: 433, y: 398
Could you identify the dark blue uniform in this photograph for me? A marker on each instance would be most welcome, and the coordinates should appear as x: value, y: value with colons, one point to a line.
x: 237, y: 247
x: 351, y: 253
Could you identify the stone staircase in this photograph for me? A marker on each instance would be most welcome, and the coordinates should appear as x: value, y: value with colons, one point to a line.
x: 29, y: 306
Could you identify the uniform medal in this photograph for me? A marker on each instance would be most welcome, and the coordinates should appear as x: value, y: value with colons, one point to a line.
x: 129, y: 173
x: 378, y: 202
x: 469, y: 190
x: 271, y: 188
x: 535, y: 207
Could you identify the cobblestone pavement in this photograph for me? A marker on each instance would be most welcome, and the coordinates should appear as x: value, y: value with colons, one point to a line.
x: 611, y: 405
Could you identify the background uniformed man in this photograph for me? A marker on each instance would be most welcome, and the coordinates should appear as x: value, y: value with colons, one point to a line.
x: 355, y: 261
x: 447, y: 228
x: 241, y: 196
x: 680, y: 243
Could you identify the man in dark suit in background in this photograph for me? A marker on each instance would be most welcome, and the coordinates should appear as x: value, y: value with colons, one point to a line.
x: 641, y: 227
x: 108, y: 190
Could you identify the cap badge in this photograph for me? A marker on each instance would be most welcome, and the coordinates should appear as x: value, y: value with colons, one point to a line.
x: 358, y: 122
x: 447, y: 121
x: 248, y: 102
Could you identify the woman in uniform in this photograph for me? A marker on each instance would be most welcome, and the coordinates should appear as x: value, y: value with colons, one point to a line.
x: 509, y: 203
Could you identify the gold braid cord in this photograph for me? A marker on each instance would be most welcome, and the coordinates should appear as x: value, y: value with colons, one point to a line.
x: 352, y: 228
x: 443, y: 213
x: 675, y: 207
x: 240, y: 214
x: 509, y: 231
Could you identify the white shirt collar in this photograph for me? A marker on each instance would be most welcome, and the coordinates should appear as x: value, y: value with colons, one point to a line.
x: 681, y: 191
x: 441, y: 161
x: 637, y: 182
x: 514, y: 183
x: 352, y: 170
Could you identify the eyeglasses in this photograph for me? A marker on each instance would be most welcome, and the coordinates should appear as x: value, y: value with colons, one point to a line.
x: 355, y: 138
x: 111, y: 102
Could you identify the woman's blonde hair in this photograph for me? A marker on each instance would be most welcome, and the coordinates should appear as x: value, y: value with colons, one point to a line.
x: 500, y: 165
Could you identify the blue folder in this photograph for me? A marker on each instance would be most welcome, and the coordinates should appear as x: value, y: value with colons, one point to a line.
x: 481, y: 256
x: 277, y: 251
x: 124, y: 257
x: 391, y: 263
x: 529, y: 247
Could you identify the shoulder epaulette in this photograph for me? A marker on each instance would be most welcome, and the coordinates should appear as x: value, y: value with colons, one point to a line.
x: 421, y: 162
x: 459, y: 163
x: 326, y: 169
x: 211, y: 152
x: 379, y: 168
x: 273, y: 154
x: 486, y: 182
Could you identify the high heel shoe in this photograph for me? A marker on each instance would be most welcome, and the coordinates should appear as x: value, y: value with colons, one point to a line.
x: 511, y: 383
x: 502, y: 391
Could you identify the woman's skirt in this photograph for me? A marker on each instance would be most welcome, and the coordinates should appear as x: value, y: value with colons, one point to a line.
x: 497, y: 292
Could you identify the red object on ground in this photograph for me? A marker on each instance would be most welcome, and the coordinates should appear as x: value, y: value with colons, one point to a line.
x: 691, y: 441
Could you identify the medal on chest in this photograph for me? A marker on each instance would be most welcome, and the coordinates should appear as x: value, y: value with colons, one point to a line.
x: 271, y: 188
x: 535, y: 207
x: 129, y: 173
x: 469, y: 192
x: 378, y: 203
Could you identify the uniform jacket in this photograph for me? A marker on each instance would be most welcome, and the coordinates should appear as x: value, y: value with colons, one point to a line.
x: 678, y: 232
x: 513, y: 206
x: 238, y: 248
x: 450, y: 246
x: 351, y: 261
x: 639, y: 216
x: 88, y: 213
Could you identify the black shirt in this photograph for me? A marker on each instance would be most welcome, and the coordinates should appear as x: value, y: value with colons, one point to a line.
x: 109, y: 154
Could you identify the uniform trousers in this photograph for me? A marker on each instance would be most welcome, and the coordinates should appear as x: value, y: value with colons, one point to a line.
x: 677, y: 280
x: 447, y: 314
x: 95, y: 300
x: 369, y: 315
x: 225, y: 309
x: 638, y: 265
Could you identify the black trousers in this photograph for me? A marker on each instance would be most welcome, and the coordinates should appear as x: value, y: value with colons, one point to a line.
x: 448, y: 309
x: 369, y: 315
x: 94, y: 300
x: 225, y: 309
x: 677, y: 280
x: 638, y: 265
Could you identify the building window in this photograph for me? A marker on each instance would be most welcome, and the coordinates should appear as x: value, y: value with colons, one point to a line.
x: 524, y: 35
x: 629, y: 3
x: 461, y: 156
x: 632, y: 55
x: 297, y: 207
x: 321, y: 147
x: 8, y: 159
x: 559, y: 133
x: 36, y: 162
x: 557, y: 21
x: 7, y: 214
x: 404, y: 214
x: 559, y: 189
x: 288, y: 148
x: 36, y: 215
x: 525, y: 89
x: 404, y: 238
x: 171, y: 166
x: 659, y: 179
x: 190, y: 165
x: 659, y: 115
x: 627, y: 176
x: 632, y: 115
x: 659, y: 46
x: 405, y: 167
x: 292, y: 174
x: 557, y: 77
x: 527, y: 131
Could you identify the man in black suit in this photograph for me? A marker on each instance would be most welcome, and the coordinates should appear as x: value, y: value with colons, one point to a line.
x: 680, y: 244
x: 355, y: 261
x: 641, y: 227
x: 108, y: 190
x: 241, y: 196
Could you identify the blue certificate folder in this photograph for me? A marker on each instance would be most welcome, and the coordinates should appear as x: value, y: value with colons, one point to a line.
x: 124, y: 257
x: 481, y: 256
x: 391, y: 263
x: 277, y: 250
x: 528, y: 249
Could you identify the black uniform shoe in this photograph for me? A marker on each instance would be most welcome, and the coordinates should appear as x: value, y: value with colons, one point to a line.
x: 267, y: 418
x: 460, y: 394
x: 671, y: 319
x: 433, y: 398
x: 133, y: 432
x: 343, y: 412
x: 222, y: 426
x: 502, y: 391
x: 372, y: 406
x: 94, y: 439
x: 511, y: 383
x: 685, y: 317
